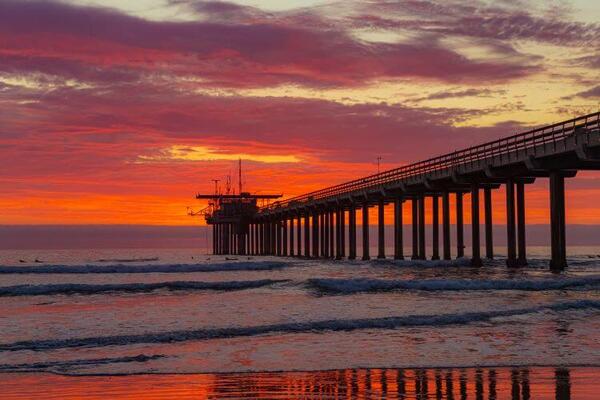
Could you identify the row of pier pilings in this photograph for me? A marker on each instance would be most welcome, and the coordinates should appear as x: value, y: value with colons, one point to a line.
x: 319, y: 231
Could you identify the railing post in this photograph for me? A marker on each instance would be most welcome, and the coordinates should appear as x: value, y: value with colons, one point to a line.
x: 446, y: 224
x: 460, y: 236
x: 435, y: 227
x: 475, y: 239
x: 381, y: 229
x: 365, y: 231
x: 398, y: 225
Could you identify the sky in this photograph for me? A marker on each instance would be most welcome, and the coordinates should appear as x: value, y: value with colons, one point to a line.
x: 119, y: 112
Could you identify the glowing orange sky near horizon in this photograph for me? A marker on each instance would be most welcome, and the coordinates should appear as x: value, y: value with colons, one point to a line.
x: 120, y: 116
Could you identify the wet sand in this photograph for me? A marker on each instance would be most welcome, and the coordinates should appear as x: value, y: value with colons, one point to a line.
x: 448, y: 384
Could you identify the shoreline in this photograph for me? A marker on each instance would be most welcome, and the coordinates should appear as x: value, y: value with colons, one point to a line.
x: 559, y: 383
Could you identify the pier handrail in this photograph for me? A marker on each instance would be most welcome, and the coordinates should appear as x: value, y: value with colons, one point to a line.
x: 502, y: 146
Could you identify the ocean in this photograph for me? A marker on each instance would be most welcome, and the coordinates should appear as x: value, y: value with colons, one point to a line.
x: 180, y: 321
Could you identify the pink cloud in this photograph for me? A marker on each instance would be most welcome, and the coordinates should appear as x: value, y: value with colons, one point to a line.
x: 94, y: 44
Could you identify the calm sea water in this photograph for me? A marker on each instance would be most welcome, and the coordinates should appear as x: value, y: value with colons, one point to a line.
x: 94, y: 312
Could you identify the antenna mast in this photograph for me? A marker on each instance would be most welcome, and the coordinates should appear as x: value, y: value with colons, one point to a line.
x: 216, y: 181
x: 240, y: 175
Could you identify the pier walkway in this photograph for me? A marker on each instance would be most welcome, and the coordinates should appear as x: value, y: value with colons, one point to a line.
x: 323, y: 223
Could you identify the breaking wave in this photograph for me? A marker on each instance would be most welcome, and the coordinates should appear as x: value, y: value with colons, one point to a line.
x: 348, y: 286
x: 75, y: 288
x: 300, y: 327
x: 127, y: 260
x: 141, y: 269
x: 64, y: 366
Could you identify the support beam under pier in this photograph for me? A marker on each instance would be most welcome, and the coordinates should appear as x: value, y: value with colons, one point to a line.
x: 460, y: 234
x: 381, y: 229
x: 557, y: 221
x: 278, y: 236
x: 338, y: 235
x: 352, y: 233
x: 322, y: 233
x: 307, y: 234
x: 326, y: 228
x: 299, y: 236
x: 446, y: 224
x: 415, y: 228
x: 398, y: 240
x: 422, y: 255
x: 214, y: 239
x: 489, y: 239
x: 315, y: 234
x: 365, y: 231
x: 292, y: 253
x: 475, y: 238
x: 284, y: 249
x: 435, y: 229
x: 521, y: 246
x: 331, y: 235
x: 343, y: 232
x: 511, y: 240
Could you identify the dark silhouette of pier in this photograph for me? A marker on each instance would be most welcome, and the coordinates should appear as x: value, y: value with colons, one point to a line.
x: 314, y: 224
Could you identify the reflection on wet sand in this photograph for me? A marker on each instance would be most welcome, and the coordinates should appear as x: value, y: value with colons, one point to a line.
x: 407, y: 384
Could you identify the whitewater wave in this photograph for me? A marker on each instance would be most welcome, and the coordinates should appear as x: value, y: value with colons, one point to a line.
x: 75, y: 288
x: 348, y: 286
x: 300, y: 327
x: 142, y: 269
x: 409, y: 263
x: 64, y: 366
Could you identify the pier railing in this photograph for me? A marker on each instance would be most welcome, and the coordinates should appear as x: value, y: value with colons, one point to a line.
x: 531, y: 139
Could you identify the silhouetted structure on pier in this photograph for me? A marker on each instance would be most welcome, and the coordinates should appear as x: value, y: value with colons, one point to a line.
x: 318, y: 218
x: 231, y: 216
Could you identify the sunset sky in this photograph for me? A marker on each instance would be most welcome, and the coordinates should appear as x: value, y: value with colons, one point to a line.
x: 119, y: 112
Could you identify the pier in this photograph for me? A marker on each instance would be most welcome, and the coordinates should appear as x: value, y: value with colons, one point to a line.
x: 314, y: 224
